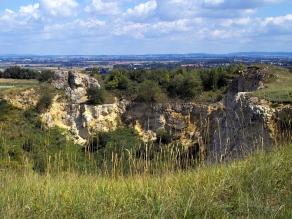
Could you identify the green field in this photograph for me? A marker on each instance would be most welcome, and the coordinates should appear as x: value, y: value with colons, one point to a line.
x: 278, y: 90
x: 14, y: 85
x: 258, y: 187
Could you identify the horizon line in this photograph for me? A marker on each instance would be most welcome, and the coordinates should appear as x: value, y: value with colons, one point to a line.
x: 149, y: 54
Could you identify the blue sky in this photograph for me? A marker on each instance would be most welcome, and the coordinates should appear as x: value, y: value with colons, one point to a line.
x: 144, y: 26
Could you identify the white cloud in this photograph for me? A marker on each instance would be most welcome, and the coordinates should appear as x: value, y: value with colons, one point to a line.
x: 25, y: 18
x: 60, y: 7
x: 213, y: 2
x: 142, y: 9
x: 103, y: 8
x: 149, y: 20
x: 90, y: 23
x: 30, y: 10
x: 280, y: 20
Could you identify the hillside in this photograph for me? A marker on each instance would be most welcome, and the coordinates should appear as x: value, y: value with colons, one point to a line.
x: 257, y: 187
x: 279, y: 89
x: 82, y: 145
x: 64, y: 118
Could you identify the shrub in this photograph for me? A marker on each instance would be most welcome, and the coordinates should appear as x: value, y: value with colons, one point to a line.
x: 184, y: 86
x: 28, y: 145
x: 150, y: 92
x: 45, y: 101
x: 213, y: 79
x: 163, y: 137
x: 115, y: 142
x: 98, y: 142
x: 96, y: 95
x: 39, y: 162
x: 118, y: 80
x: 46, y: 76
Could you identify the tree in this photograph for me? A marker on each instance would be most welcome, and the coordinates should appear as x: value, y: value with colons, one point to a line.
x: 118, y: 80
x: 213, y: 79
x: 46, y: 76
x: 150, y: 92
x: 96, y: 95
x: 184, y: 86
x: 16, y: 72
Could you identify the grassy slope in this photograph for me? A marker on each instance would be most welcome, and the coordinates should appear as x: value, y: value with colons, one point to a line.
x: 21, y: 129
x: 17, y: 83
x: 258, y: 187
x: 280, y: 89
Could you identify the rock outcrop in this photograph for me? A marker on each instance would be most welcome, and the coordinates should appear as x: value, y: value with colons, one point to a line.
x: 72, y: 112
x: 237, y: 125
x: 75, y: 85
x: 233, y: 127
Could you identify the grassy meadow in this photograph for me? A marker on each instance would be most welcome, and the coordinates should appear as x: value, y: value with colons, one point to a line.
x: 278, y: 90
x: 257, y: 187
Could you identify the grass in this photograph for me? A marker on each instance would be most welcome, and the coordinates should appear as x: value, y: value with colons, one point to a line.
x: 258, y: 187
x: 278, y: 90
x: 17, y: 82
x: 15, y: 85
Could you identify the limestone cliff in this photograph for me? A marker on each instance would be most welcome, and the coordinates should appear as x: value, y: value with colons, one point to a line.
x: 232, y: 127
x: 71, y: 111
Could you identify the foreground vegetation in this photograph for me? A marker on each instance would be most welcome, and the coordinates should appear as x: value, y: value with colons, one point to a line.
x: 258, y: 187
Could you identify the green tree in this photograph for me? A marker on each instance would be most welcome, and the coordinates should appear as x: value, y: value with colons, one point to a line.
x: 46, y: 76
x: 184, y: 86
x: 150, y: 92
x: 96, y: 95
x: 118, y: 80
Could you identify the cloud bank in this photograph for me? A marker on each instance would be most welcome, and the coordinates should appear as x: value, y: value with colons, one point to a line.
x: 144, y: 26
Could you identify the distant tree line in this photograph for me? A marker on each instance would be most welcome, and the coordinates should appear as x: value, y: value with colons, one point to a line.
x: 16, y: 72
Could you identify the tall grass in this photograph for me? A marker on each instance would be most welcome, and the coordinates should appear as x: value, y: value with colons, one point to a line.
x: 258, y: 187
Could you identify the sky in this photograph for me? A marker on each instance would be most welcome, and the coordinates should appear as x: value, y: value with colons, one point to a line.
x: 116, y: 27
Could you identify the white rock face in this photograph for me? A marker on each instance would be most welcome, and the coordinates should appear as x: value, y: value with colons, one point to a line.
x: 74, y: 114
x: 75, y: 85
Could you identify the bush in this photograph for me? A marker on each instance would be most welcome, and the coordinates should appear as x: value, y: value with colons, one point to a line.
x: 118, y: 80
x: 163, y: 137
x: 98, y: 142
x: 184, y: 86
x: 150, y: 92
x: 46, y: 76
x: 28, y: 145
x: 39, y: 162
x: 213, y: 79
x: 116, y: 142
x: 96, y: 95
x: 45, y: 101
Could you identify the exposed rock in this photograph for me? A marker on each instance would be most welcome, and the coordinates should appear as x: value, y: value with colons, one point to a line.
x: 74, y: 114
x: 236, y: 126
x: 24, y: 100
x: 75, y: 85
